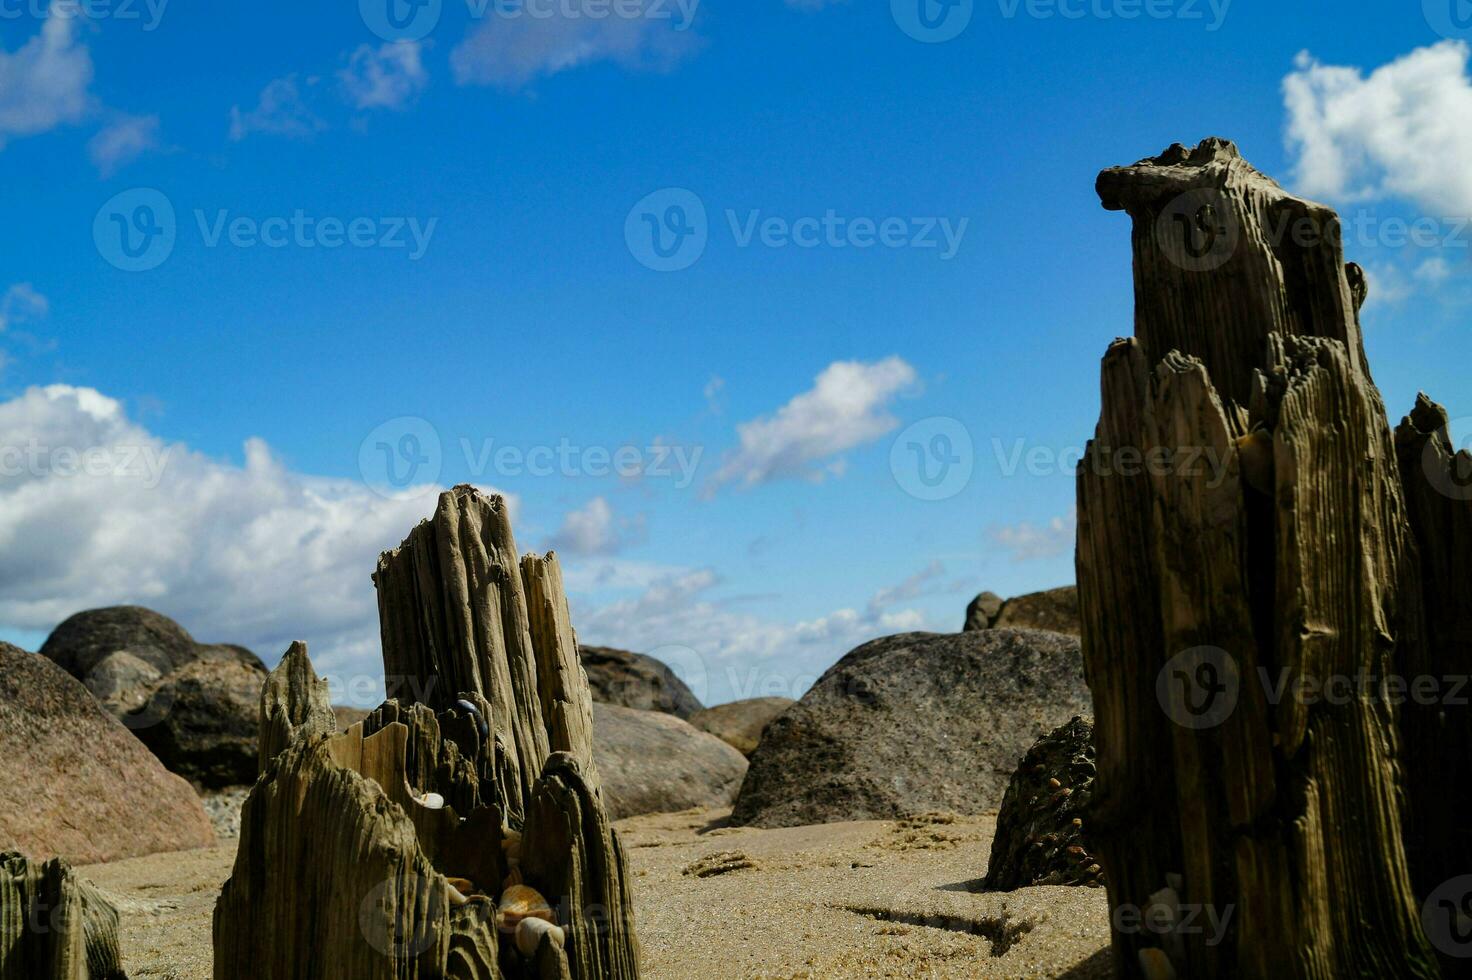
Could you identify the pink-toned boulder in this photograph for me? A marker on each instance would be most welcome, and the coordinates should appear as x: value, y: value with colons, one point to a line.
x: 76, y: 784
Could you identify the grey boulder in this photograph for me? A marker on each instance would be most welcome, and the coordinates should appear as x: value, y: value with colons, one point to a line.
x: 911, y: 724
x: 740, y: 724
x: 652, y: 762
x: 203, y: 722
x: 632, y: 680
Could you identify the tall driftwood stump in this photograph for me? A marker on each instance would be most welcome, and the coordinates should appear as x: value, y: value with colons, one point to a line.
x: 1247, y: 578
x: 1438, y: 716
x: 53, y: 925
x: 459, y: 831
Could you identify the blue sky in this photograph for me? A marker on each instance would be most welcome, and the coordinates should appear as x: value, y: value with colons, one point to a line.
x: 493, y: 169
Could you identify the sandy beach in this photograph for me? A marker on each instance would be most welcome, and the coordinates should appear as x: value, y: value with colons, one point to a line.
x: 870, y: 899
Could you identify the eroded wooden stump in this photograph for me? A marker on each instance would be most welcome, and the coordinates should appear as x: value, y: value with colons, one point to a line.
x: 1243, y: 544
x: 441, y: 836
x: 53, y: 925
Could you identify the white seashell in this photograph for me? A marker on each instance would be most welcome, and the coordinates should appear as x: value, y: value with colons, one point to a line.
x: 529, y: 933
x: 511, y: 847
x: 1156, y: 965
x: 519, y: 903
x: 431, y: 801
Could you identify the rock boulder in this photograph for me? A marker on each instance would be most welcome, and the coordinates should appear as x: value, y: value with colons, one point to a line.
x: 632, y: 680
x: 983, y: 611
x: 914, y: 723
x: 1055, y: 610
x: 652, y: 762
x: 740, y: 724
x: 87, y: 639
x: 74, y: 783
x: 203, y: 722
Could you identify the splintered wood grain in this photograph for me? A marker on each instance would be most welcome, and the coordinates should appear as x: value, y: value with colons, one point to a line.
x: 1438, y: 730
x: 567, y: 701
x: 54, y: 925
x: 453, y: 619
x: 294, y: 704
x: 349, y: 842
x: 1268, y: 528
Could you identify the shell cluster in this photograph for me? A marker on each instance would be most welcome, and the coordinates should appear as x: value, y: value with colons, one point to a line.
x: 1042, y: 834
x: 525, y: 915
x: 522, y: 913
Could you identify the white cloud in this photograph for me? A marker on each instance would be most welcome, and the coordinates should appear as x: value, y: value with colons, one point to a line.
x: 713, y: 391
x: 1434, y: 271
x: 22, y: 303
x: 737, y: 654
x: 1029, y: 542
x: 596, y: 530
x: 281, y: 111
x: 1403, y: 131
x: 509, y: 51
x: 43, y: 83
x: 846, y: 407
x: 388, y: 77
x: 122, y: 141
x: 911, y: 588
x: 95, y: 511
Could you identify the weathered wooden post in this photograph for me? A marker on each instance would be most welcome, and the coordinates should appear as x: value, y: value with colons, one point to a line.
x: 1437, y: 716
x: 1244, y: 547
x: 53, y: 925
x: 421, y: 843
